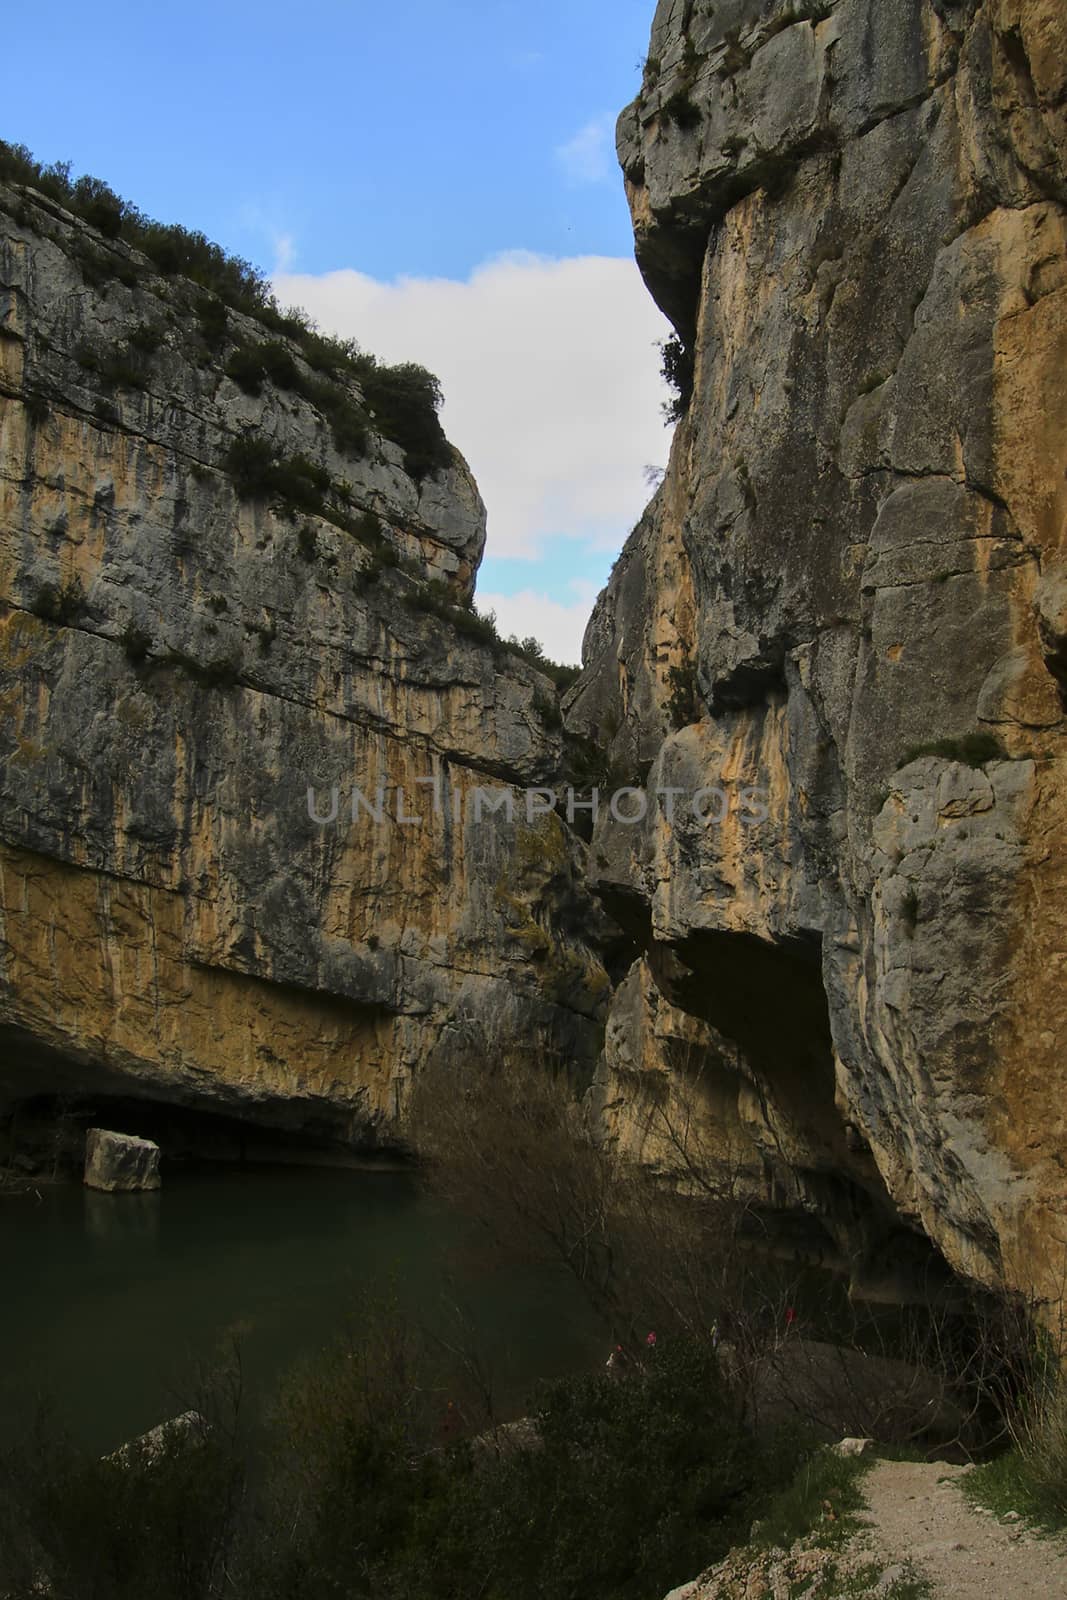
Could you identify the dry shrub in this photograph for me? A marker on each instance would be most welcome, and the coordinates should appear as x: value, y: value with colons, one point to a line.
x: 514, y: 1149
x: 679, y: 1252
x: 1038, y: 1426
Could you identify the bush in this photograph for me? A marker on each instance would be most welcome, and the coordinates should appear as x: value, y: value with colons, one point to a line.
x: 548, y: 710
x: 278, y: 364
x: 121, y: 366
x: 259, y: 473
x: 213, y: 321
x: 384, y: 557
x: 642, y: 1482
x: 621, y: 1487
x: 436, y: 598
x: 1042, y: 1445
x: 99, y: 205
x: 136, y: 643
x: 146, y: 339
x: 1030, y: 1479
x: 405, y: 401
x: 61, y: 604
x: 677, y: 368
x: 682, y: 110
x: 96, y: 268
x: 327, y: 355
x: 246, y: 370
x: 348, y: 423
x: 368, y: 1480
x: 367, y: 528
x: 250, y: 462
x: 250, y: 366
x: 222, y: 671
x: 144, y: 1523
x: 302, y: 483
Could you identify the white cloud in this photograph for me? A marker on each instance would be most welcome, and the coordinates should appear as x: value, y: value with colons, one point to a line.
x: 284, y: 252
x: 265, y: 220
x: 558, y: 626
x: 551, y: 381
x: 589, y: 157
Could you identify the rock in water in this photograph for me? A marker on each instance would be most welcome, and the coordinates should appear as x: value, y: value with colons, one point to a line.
x: 118, y: 1161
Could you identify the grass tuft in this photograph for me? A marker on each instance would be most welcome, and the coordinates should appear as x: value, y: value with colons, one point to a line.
x: 823, y: 1497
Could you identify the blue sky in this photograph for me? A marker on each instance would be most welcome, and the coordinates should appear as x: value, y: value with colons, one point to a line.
x: 441, y: 172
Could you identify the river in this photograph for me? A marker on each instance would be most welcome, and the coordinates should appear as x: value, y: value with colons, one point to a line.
x: 110, y: 1301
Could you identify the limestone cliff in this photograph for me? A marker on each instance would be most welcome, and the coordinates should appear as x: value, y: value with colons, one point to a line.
x: 223, y: 582
x: 850, y: 592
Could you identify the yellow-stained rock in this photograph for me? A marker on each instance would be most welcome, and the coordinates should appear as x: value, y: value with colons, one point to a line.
x: 856, y: 217
x: 257, y: 752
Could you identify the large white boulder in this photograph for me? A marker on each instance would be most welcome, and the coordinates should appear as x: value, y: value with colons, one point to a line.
x: 118, y: 1161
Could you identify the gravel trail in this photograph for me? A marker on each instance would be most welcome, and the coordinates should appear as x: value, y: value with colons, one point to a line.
x: 919, y: 1513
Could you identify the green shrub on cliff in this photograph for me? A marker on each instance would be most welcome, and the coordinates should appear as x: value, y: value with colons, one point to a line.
x: 253, y: 365
x: 404, y: 400
x: 437, y: 599
x: 682, y: 111
x: 677, y: 370
x: 260, y: 473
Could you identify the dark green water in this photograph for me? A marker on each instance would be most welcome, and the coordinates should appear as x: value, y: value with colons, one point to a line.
x: 107, y: 1302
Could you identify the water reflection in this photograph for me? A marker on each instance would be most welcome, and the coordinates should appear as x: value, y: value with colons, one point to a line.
x: 122, y: 1219
x: 109, y: 1302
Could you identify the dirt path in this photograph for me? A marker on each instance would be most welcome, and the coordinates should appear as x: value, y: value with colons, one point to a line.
x: 918, y: 1524
x: 918, y: 1513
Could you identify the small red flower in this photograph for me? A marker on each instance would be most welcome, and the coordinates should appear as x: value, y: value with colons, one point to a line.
x: 651, y: 1341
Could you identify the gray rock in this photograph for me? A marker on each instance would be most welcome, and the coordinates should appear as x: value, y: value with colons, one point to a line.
x: 186, y: 1430
x: 117, y: 1161
x: 1050, y: 604
x: 179, y: 668
x: 849, y: 592
x: 853, y: 1447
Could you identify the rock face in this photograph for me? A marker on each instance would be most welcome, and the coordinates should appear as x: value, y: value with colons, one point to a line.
x: 185, y: 652
x: 849, y: 597
x: 117, y: 1161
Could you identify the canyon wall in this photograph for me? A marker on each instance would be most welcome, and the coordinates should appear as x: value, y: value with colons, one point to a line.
x: 850, y: 594
x: 212, y: 599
